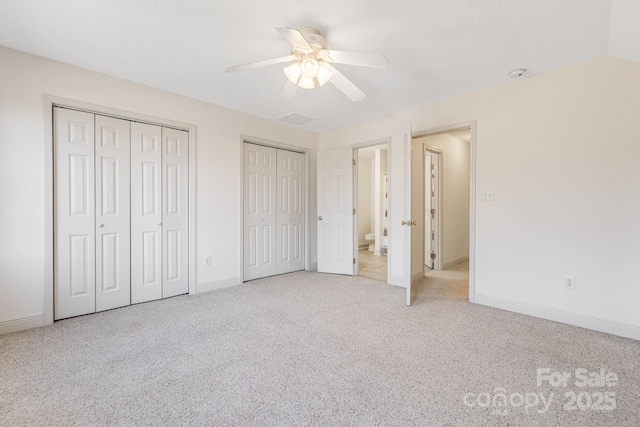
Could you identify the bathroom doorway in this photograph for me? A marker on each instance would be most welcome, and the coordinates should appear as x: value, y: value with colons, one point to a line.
x: 372, y: 209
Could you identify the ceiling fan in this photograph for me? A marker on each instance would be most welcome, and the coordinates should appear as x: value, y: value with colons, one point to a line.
x: 312, y: 64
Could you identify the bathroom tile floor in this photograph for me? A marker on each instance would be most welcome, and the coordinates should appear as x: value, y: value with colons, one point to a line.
x: 372, y: 266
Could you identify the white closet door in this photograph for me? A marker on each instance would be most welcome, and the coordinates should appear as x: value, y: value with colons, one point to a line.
x: 290, y: 215
x: 175, y: 212
x: 74, y: 213
x: 259, y: 211
x: 298, y: 202
x: 113, y: 286
x: 284, y: 217
x: 146, y: 212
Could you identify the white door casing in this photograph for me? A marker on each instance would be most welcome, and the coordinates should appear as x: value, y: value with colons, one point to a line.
x: 335, y: 211
x: 74, y: 213
x: 428, y: 198
x: 113, y: 286
x: 146, y: 212
x: 175, y: 212
x: 260, y: 211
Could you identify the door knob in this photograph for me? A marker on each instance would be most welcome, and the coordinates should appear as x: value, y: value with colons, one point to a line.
x: 289, y: 219
x: 261, y: 219
x: 100, y: 225
x: 159, y: 223
x: 320, y: 218
x: 414, y: 223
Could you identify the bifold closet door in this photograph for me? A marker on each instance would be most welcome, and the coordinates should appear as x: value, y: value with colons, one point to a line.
x: 113, y: 280
x: 175, y: 212
x: 159, y: 212
x: 91, y: 213
x: 290, y: 215
x: 74, y: 214
x: 259, y: 211
x: 146, y: 212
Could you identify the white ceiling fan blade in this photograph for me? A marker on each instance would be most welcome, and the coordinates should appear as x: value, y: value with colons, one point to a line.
x: 294, y: 37
x: 288, y: 92
x: 252, y: 65
x: 362, y: 59
x: 346, y: 86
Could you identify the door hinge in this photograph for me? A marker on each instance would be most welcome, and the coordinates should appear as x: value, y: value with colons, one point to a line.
x: 433, y: 167
x: 433, y: 212
x: 354, y: 211
x: 433, y: 255
x: 354, y: 261
x: 433, y: 235
x: 353, y: 161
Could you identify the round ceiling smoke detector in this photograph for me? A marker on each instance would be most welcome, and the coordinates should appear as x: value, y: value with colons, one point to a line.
x: 516, y: 74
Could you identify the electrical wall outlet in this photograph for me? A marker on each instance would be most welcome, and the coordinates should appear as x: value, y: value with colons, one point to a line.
x: 207, y: 261
x: 488, y: 195
x: 570, y: 283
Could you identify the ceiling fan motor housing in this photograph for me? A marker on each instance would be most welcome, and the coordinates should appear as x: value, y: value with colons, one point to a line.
x: 314, y: 38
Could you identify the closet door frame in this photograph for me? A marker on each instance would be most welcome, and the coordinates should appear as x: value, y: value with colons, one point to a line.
x: 277, y: 145
x: 49, y: 102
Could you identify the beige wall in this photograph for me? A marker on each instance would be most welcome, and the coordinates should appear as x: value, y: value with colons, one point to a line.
x: 560, y: 150
x: 24, y: 79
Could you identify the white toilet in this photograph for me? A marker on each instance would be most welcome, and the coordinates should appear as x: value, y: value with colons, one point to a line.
x: 371, y: 238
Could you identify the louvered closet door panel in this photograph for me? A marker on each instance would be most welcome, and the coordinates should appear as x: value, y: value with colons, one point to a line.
x: 146, y: 212
x: 259, y: 211
x: 175, y: 208
x: 298, y: 203
x: 113, y: 287
x: 74, y: 214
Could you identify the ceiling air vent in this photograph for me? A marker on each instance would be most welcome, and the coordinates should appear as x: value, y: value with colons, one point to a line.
x: 295, y: 119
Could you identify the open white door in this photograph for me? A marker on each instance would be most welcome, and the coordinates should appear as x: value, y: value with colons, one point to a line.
x: 335, y: 211
x: 408, y: 144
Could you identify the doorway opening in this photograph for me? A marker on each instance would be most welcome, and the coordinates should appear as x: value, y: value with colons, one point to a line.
x: 372, y: 212
x: 441, y: 194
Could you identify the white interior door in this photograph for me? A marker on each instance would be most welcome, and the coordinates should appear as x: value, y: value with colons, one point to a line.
x: 407, y: 276
x: 335, y: 211
x: 260, y: 211
x: 113, y: 286
x: 290, y: 214
x: 74, y: 215
x: 146, y: 212
x: 175, y: 212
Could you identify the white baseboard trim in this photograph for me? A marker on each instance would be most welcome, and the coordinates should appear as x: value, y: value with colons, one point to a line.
x: 21, y: 324
x: 626, y: 330
x: 218, y: 284
x: 417, y: 275
x: 363, y: 246
x: 455, y: 261
x: 313, y: 266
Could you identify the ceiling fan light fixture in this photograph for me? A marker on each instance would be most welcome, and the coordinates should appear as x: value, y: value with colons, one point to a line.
x: 293, y: 72
x: 306, y: 82
x: 309, y: 66
x: 324, y: 73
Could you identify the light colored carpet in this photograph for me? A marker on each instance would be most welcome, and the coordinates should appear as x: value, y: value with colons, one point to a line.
x: 308, y: 349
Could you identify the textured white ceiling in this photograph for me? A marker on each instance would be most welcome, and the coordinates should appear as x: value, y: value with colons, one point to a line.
x: 436, y: 48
